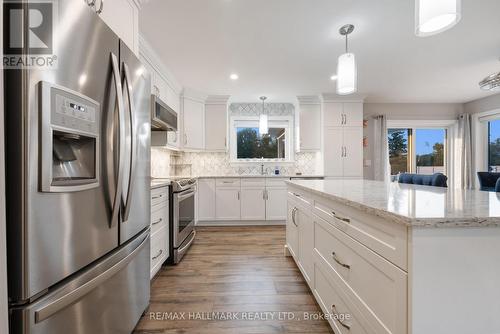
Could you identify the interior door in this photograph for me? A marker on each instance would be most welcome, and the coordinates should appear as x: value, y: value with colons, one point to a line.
x: 52, y: 235
x: 136, y: 199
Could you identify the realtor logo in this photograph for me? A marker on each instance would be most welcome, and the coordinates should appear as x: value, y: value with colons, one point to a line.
x: 28, y: 34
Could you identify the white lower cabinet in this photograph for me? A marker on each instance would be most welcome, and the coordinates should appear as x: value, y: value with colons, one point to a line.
x: 227, y: 201
x: 292, y: 231
x: 275, y: 203
x: 206, y: 199
x: 159, y: 229
x: 306, y: 243
x: 253, y: 203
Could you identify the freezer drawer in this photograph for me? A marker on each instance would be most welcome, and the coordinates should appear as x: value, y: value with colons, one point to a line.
x: 107, y: 298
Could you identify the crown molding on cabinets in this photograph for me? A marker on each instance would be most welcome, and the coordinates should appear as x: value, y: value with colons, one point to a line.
x: 147, y: 51
x: 332, y: 97
x: 217, y: 99
x: 309, y: 99
x: 194, y: 95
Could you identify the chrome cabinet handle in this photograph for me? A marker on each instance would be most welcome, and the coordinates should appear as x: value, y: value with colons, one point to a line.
x: 334, y: 310
x: 99, y: 11
x: 238, y: 195
x: 334, y: 255
x: 158, y: 221
x: 185, y: 139
x: 159, y: 254
x: 156, y: 197
x: 347, y: 220
x: 294, y: 210
x: 296, y: 195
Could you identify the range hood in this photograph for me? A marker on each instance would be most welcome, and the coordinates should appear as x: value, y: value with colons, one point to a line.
x: 163, y: 118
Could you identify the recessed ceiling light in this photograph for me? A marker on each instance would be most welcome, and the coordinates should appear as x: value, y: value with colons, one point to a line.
x: 234, y: 76
x: 333, y: 77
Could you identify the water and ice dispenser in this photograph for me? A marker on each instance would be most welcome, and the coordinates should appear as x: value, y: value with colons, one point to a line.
x: 69, y: 132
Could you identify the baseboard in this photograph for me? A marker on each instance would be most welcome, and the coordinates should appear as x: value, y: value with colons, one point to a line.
x: 241, y: 223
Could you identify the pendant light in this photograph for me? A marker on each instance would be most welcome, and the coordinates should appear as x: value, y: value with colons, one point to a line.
x: 347, y: 75
x: 263, y: 119
x: 435, y: 16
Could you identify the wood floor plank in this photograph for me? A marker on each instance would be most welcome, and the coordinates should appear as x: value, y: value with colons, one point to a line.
x: 239, y: 271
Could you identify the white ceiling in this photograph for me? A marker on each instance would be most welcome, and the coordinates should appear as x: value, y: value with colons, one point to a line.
x: 284, y: 48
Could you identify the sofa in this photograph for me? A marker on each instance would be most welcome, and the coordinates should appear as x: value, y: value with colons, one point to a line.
x: 489, y: 181
x: 436, y: 180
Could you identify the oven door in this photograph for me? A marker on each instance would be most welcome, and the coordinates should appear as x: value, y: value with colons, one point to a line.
x: 183, y: 223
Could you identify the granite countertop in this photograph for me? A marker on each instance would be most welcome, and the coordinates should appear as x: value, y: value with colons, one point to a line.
x: 412, y: 205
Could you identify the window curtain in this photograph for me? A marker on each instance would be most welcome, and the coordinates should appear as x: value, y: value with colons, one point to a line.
x: 380, y: 149
x: 463, y: 154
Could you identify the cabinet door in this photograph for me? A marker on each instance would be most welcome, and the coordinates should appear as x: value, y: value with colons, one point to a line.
x: 310, y: 123
x: 276, y: 203
x: 253, y: 204
x: 333, y: 146
x: 333, y: 114
x: 215, y: 127
x: 227, y: 203
x: 353, y: 146
x: 122, y: 16
x: 353, y: 114
x: 206, y: 199
x: 194, y: 121
x: 292, y: 230
x: 161, y: 88
x: 306, y: 243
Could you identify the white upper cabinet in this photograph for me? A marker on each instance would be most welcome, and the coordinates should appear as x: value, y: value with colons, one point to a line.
x: 122, y: 16
x: 216, y: 123
x: 309, y: 123
x: 193, y: 110
x: 342, y: 114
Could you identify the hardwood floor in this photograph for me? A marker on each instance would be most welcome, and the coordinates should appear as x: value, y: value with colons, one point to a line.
x: 233, y: 269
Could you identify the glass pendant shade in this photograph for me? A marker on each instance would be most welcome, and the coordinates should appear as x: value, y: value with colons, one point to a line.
x: 347, y: 74
x: 263, y: 124
x: 435, y: 16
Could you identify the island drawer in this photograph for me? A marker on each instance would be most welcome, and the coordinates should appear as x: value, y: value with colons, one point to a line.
x: 337, y: 306
x: 300, y: 198
x: 227, y: 182
x: 376, y: 284
x: 386, y: 238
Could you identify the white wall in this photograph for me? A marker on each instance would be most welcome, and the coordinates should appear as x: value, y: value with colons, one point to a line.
x: 3, y: 254
x: 404, y: 111
x: 485, y: 104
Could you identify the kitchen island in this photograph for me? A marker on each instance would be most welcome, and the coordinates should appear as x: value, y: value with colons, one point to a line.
x: 396, y: 258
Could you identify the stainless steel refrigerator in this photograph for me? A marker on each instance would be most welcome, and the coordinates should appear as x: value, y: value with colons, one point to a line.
x: 78, y: 183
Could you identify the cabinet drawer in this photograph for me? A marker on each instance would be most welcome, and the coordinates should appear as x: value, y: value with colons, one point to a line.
x: 159, y: 251
x: 276, y: 182
x: 159, y: 219
x: 299, y: 199
x: 253, y: 182
x: 336, y: 305
x: 227, y: 182
x: 388, y: 239
x: 370, y: 279
x: 159, y: 197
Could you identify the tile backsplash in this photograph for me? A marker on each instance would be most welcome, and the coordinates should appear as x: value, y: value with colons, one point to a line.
x: 165, y: 163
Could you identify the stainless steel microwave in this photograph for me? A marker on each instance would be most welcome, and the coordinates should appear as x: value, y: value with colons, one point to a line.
x: 163, y: 118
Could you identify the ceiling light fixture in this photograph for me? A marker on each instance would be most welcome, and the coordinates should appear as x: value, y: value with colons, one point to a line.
x: 263, y: 119
x: 234, y: 76
x: 491, y: 82
x: 435, y: 16
x: 347, y: 75
x: 333, y: 77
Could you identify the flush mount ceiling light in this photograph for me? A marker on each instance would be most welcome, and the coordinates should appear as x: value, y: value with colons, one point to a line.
x: 263, y: 119
x: 234, y: 76
x: 435, y: 16
x: 491, y: 82
x: 333, y: 77
x: 347, y: 75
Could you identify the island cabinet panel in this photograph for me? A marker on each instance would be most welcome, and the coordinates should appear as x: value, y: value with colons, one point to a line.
x: 386, y: 238
x: 375, y: 284
x: 292, y: 231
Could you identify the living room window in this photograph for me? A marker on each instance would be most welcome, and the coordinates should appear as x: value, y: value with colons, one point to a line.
x: 417, y: 150
x: 494, y: 145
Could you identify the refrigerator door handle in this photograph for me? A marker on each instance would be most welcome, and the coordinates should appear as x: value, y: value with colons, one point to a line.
x: 131, y: 177
x: 57, y: 305
x: 121, y: 149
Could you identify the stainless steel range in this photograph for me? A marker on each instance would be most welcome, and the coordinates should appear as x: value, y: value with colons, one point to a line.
x: 182, y: 217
